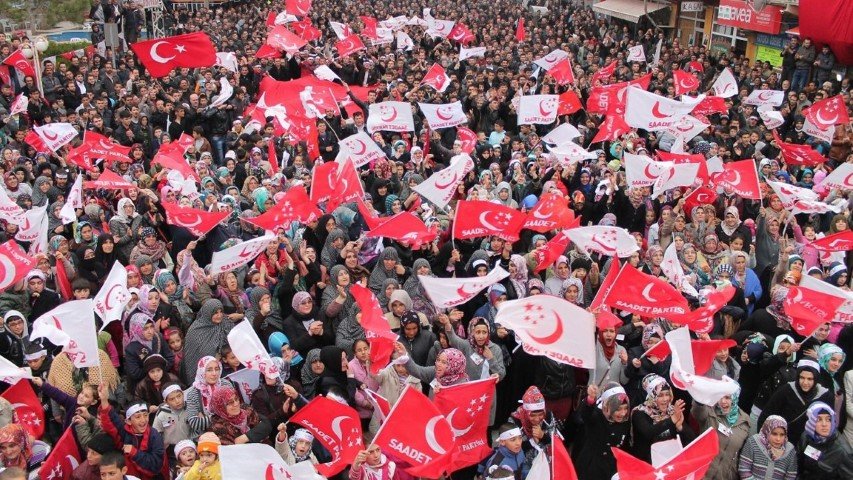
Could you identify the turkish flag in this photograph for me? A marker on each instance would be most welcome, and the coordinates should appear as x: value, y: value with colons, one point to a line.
x: 416, y: 434
x: 109, y: 180
x: 466, y: 408
x: 468, y: 139
x: 161, y: 55
x: 306, y: 30
x: 376, y: 328
x: 461, y: 34
x: 795, y: 154
x: 644, y: 294
x: 20, y: 63
x: 267, y: 51
x: 684, y: 82
x: 569, y: 103
x: 348, y: 185
x: 297, y: 8
x: 280, y: 38
x: 28, y: 410
x: 606, y: 285
x: 337, y: 427
x: 611, y: 128
x: 603, y: 73
x: 198, y: 222
x: 562, y: 72
x: 436, y: 77
x: 692, y: 461
x: 349, y: 45
x: 741, y: 177
x: 15, y: 264
x: 710, y: 105
x: 519, y: 30
x: 828, y: 112
x: 406, y: 228
x: 838, y: 242
x: 478, y: 218
x: 809, y: 309
x: 550, y: 213
x: 703, y: 351
x: 63, y: 459
x: 546, y: 255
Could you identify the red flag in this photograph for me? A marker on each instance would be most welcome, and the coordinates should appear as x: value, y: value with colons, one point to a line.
x: 436, y: 78
x: 569, y: 103
x: 562, y: 72
x: 369, y: 29
x: 33, y: 139
x: 684, y: 82
x: 337, y: 427
x: 5, y: 76
x: 295, y: 206
x: 323, y: 181
x: 15, y: 264
x: 306, y: 30
x: 699, y: 196
x: 606, y: 285
x: 519, y: 30
x: 109, y: 180
x: 280, y: 38
x: 381, y: 405
x: 370, y: 219
x: 561, y: 463
x: 62, y: 282
x: 478, y: 218
x: 63, y: 459
x: 405, y: 228
x: 376, y: 328
x: 415, y: 433
x: 467, y: 407
x: 348, y: 186
x: 297, y: 8
x: 702, y: 319
x: 468, y: 139
x: 827, y: 112
x: 267, y: 51
x: 548, y: 254
x: 349, y: 45
x: 272, y: 157
x: 692, y: 462
x: 644, y: 294
x: 171, y: 156
x: 603, y: 73
x: 198, y: 222
x: 809, y: 309
x: 838, y: 242
x: 741, y: 177
x: 28, y: 410
x: 611, y: 128
x: 697, y: 158
x: 96, y: 145
x: 795, y: 154
x: 550, y: 213
x: 161, y: 55
x: 710, y: 105
x: 20, y: 63
x: 703, y: 352
x: 461, y: 34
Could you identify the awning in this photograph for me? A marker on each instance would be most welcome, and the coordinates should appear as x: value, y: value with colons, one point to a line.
x: 629, y: 10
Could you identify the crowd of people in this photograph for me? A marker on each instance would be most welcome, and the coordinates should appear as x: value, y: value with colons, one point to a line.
x: 159, y: 406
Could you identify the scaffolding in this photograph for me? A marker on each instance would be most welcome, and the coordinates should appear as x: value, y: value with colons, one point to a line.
x: 155, y: 25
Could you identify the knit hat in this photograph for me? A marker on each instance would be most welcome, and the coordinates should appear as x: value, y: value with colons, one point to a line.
x: 101, y: 443
x: 209, y: 442
x: 808, y: 366
x: 154, y: 361
x: 409, y: 317
x: 183, y: 445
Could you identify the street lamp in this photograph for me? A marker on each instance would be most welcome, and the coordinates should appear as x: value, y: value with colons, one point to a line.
x: 32, y: 51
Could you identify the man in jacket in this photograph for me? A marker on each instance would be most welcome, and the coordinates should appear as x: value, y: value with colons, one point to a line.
x: 803, y: 60
x: 823, y: 65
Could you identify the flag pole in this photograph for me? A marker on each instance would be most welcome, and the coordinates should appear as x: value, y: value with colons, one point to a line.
x: 453, y: 228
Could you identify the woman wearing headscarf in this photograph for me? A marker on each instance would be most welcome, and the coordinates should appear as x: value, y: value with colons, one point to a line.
x: 605, y: 414
x: 40, y: 192
x: 207, y: 377
x: 793, y: 399
x: 124, y: 226
x: 518, y: 277
x: 335, y: 376
x: 774, y: 370
x: 197, y: 284
x: 823, y: 453
x: 144, y: 341
x: 658, y: 418
x: 332, y: 248
x: 732, y: 425
x: 556, y: 275
x: 389, y: 286
x: 387, y: 266
x: 572, y: 291
x: 55, y: 224
x: 449, y: 369
x: 311, y: 372
x: 233, y: 297
x: 175, y: 296
x: 768, y: 454
x: 641, y: 365
x: 207, y: 334
x: 413, y: 286
x: 745, y: 279
x: 15, y: 447
x: 712, y: 252
x: 153, y: 248
x: 234, y: 423
x: 767, y: 241
x: 831, y: 358
x: 337, y: 302
x: 694, y: 266
x: 732, y: 226
x: 306, y: 327
x: 611, y: 358
x: 107, y: 252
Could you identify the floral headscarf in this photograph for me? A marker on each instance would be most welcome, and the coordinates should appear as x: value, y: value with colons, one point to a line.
x: 650, y: 330
x: 222, y: 396
x: 568, y: 283
x: 203, y: 387
x: 15, y: 433
x: 531, y: 401
x: 476, y: 322
x: 772, y: 423
x: 136, y: 325
x: 455, y: 372
x: 654, y: 384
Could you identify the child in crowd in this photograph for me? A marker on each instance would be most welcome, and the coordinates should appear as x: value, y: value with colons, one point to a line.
x: 171, y: 419
x: 370, y: 464
x: 142, y: 445
x: 175, y: 340
x: 297, y: 448
x: 508, y: 454
x: 90, y: 469
x: 207, y: 466
x: 186, y: 455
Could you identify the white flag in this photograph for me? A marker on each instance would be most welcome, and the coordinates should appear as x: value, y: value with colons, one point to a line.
x: 74, y: 201
x: 653, y: 112
x: 765, y: 97
x: 841, y: 177
x: 323, y: 72
x: 642, y: 171
x: 246, y: 382
x: 248, y: 349
x: 548, y: 61
x: 443, y: 115
x: 283, y: 18
x: 439, y: 28
x: 449, y: 292
x: 390, y: 117
x: 671, y: 267
x: 636, y: 54
x: 540, y: 469
x: 227, y: 60
x: 113, y: 296
x: 440, y: 186
x: 563, y: 134
x: 33, y: 224
x: 360, y: 148
x: 789, y: 194
x: 239, y: 255
x: 473, y: 52
x: 687, y: 127
x: 682, y: 372
x: 656, y: 57
x: 570, y: 153
x: 404, y: 41
x: 11, y: 373
x: 254, y: 461
x: 677, y: 175
x: 603, y: 239
x: 538, y: 109
x: 552, y: 327
x: 771, y: 118
x: 9, y: 210
x: 19, y: 105
x: 71, y: 325
x: 55, y: 135
x: 824, y: 134
x: 225, y: 92
x: 725, y: 85
x: 341, y: 30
